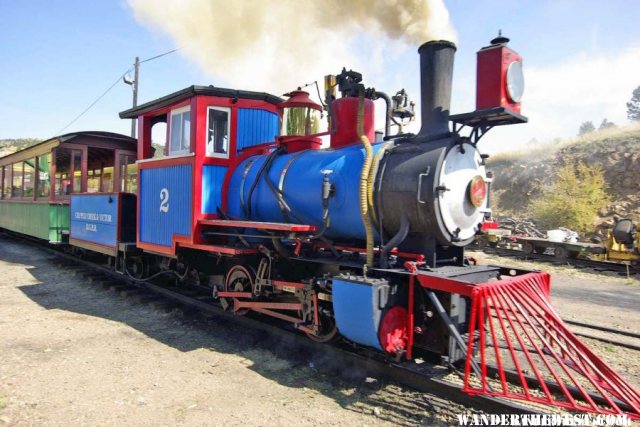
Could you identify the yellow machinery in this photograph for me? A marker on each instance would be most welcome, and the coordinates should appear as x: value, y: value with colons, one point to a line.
x: 623, y: 242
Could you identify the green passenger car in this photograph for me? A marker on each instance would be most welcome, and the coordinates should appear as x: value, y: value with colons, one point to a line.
x: 35, y: 183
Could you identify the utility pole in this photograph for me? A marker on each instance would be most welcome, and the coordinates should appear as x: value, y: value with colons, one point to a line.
x: 136, y: 74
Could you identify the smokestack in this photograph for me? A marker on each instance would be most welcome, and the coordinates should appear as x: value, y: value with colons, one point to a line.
x: 436, y: 73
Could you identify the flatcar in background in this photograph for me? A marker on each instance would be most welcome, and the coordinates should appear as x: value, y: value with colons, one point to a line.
x: 621, y: 244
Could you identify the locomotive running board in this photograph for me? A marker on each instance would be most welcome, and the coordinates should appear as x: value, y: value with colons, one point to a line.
x: 522, y: 350
x: 259, y: 225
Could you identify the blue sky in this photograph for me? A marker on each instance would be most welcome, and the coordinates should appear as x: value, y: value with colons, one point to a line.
x: 582, y: 59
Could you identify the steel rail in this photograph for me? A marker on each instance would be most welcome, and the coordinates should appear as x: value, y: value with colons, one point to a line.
x: 602, y: 328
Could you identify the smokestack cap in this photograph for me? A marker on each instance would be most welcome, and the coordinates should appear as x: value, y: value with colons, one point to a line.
x: 441, y: 43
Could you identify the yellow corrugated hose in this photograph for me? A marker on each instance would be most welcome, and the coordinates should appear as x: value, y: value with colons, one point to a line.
x: 364, y: 178
x: 372, y: 172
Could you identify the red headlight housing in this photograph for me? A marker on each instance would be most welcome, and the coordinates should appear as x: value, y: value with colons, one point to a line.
x: 477, y: 191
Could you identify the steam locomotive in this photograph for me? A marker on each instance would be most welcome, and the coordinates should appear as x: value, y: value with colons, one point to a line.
x: 320, y: 236
x: 361, y: 241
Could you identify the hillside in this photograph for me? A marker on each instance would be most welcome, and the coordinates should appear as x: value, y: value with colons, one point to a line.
x: 8, y: 146
x: 519, y: 176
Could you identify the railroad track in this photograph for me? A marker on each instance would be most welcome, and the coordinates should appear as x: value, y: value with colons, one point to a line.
x: 608, y: 331
x: 423, y: 377
x: 598, y: 266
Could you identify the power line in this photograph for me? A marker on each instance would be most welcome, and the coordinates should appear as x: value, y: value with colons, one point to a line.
x: 93, y: 103
x: 158, y: 56
x: 109, y: 89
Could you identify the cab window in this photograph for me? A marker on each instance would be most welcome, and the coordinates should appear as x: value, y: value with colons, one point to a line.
x: 180, y: 132
x: 217, y: 132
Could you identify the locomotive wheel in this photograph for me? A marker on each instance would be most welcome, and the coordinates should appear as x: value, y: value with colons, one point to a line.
x: 240, y: 278
x: 328, y: 330
x: 193, y: 277
x: 137, y: 267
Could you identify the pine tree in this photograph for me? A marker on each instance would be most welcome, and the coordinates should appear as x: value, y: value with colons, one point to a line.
x: 606, y: 124
x: 633, y: 106
x: 586, y: 127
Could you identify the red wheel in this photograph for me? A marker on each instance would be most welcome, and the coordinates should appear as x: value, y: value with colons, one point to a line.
x: 393, y: 330
x: 240, y: 278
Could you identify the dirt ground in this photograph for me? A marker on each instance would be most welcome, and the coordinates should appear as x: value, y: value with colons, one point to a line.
x: 72, y: 353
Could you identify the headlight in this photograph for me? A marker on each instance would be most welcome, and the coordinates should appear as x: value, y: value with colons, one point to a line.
x: 515, y: 81
x: 477, y: 191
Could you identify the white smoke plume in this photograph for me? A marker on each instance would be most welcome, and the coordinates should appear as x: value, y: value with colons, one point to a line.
x: 279, y: 44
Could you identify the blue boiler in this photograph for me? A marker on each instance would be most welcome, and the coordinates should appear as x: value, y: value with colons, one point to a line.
x: 299, y: 176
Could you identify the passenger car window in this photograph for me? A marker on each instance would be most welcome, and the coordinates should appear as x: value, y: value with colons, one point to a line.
x: 28, y: 177
x: 128, y: 173
x: 6, y: 188
x: 44, y: 170
x: 218, y: 132
x: 16, y: 190
x: 68, y: 177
